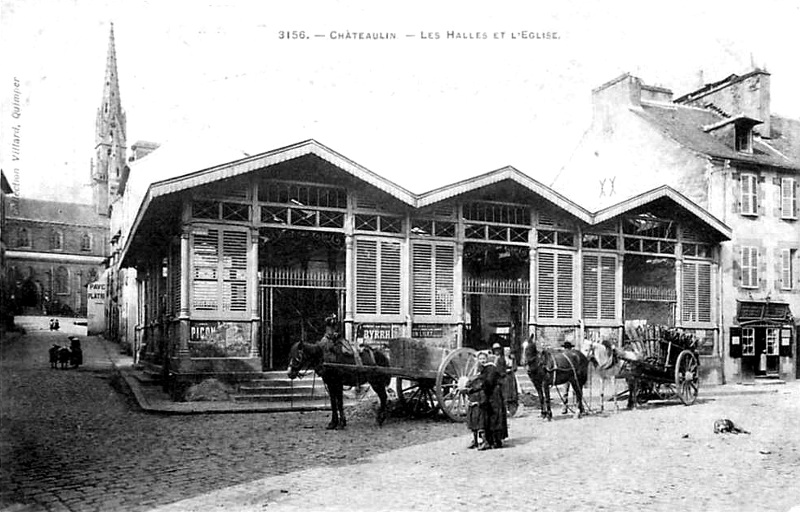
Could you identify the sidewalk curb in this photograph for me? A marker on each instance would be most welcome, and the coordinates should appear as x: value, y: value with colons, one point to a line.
x: 211, y: 407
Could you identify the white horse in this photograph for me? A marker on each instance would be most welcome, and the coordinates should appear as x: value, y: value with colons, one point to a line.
x: 608, y: 362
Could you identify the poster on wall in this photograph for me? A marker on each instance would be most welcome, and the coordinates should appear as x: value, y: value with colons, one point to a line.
x: 95, y: 308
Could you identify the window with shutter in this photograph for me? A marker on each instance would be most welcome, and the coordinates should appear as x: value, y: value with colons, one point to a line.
x: 219, y: 271
x: 564, y: 286
x: 546, y: 295
x: 205, y: 263
x: 432, y: 282
x: 696, y: 292
x: 786, y: 269
x: 555, y: 276
x: 608, y: 287
x: 749, y: 260
x: 378, y: 277
x: 591, y: 273
x: 788, y: 198
x: 749, y: 192
x: 390, y: 278
x: 366, y: 276
x: 234, y: 275
x: 445, y: 260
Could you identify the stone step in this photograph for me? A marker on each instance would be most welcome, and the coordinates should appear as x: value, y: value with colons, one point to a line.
x: 247, y: 389
x: 280, y: 397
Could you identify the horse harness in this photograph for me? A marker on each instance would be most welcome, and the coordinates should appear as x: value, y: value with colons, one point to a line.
x: 555, y: 367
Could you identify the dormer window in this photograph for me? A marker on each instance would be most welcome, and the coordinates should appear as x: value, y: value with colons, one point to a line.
x: 744, y: 138
x: 735, y: 131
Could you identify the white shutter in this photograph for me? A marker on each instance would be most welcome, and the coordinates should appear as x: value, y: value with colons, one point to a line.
x: 390, y: 278
x: 205, y: 263
x: 591, y: 271
x: 749, y: 194
x: 703, y: 292
x: 608, y: 287
x: 788, y: 198
x: 749, y: 267
x: 234, y: 271
x: 366, y: 276
x: 547, y: 278
x: 445, y: 261
x: 689, y: 292
x: 422, y: 280
x: 786, y: 269
x: 564, y: 286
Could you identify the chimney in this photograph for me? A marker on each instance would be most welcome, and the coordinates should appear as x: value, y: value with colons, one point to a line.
x: 613, y: 96
x: 746, y: 95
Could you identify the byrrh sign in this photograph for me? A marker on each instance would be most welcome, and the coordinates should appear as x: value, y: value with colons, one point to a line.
x: 95, y: 308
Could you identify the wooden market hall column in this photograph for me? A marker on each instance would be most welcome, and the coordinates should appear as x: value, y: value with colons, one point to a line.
x: 183, y: 316
x: 253, y: 289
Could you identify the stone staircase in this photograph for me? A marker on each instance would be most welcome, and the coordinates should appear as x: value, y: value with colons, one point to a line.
x: 277, y: 387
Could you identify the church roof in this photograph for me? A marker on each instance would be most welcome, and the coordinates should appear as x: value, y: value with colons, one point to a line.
x: 40, y: 210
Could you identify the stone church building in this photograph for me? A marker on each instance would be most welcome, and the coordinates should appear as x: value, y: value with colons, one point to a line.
x: 56, y: 248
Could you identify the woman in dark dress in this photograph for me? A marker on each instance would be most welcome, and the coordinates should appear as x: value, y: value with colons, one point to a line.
x: 496, y: 417
x: 76, y: 353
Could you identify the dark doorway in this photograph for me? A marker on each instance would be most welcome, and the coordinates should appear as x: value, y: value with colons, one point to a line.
x: 296, y: 314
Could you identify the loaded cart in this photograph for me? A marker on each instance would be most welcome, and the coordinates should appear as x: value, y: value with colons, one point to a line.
x: 426, y: 377
x: 663, y: 364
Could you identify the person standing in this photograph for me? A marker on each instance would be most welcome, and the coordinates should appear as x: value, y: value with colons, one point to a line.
x: 477, y: 404
x: 496, y: 414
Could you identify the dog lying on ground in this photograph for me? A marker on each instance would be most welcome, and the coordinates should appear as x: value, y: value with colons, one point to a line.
x: 726, y: 426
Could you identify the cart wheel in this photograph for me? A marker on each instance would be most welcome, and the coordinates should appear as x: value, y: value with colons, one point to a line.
x: 416, y: 397
x: 687, y: 377
x: 462, y: 362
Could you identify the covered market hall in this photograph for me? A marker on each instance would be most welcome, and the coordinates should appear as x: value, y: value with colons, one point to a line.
x: 237, y: 261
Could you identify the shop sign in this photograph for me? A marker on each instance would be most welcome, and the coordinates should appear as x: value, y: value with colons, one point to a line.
x: 378, y: 331
x: 427, y: 331
x: 203, y: 331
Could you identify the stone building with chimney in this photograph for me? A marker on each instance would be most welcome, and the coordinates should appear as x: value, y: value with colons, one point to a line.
x: 723, y: 147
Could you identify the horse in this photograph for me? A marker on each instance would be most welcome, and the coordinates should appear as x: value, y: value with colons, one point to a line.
x: 609, y: 362
x: 548, y: 368
x: 312, y: 356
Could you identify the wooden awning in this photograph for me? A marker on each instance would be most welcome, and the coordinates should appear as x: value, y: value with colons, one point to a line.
x: 766, y: 312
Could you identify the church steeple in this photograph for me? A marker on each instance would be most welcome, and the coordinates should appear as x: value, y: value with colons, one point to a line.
x: 110, y: 148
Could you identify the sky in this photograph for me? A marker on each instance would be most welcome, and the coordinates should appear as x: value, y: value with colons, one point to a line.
x: 418, y: 110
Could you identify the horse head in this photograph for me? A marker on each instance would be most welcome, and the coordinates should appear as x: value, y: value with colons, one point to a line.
x: 300, y: 358
x: 602, y: 354
x: 530, y: 352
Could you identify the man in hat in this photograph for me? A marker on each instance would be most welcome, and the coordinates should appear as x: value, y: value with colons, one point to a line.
x: 331, y: 342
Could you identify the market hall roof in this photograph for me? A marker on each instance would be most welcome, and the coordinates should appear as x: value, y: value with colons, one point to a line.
x: 160, y: 190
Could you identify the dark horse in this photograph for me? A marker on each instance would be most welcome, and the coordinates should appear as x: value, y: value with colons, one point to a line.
x: 311, y: 356
x: 550, y: 368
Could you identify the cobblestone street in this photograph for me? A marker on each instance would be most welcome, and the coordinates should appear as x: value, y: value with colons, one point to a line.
x: 71, y: 441
x: 75, y: 440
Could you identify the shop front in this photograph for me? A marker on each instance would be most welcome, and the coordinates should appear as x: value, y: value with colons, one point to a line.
x: 762, y: 340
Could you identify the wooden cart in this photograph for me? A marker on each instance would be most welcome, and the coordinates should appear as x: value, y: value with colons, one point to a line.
x: 666, y: 365
x: 426, y: 377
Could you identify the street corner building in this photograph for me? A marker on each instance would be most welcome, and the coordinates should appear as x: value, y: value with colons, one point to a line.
x: 234, y: 262
x: 725, y: 150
